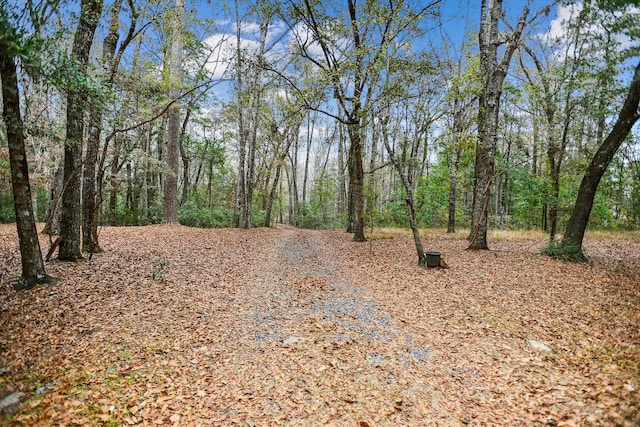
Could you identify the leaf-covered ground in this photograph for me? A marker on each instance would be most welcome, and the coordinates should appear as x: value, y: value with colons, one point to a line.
x: 179, y: 326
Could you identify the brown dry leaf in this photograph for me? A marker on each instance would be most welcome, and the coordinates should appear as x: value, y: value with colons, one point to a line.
x: 299, y: 327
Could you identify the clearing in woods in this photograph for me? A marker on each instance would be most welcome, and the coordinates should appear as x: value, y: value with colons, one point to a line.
x: 180, y: 326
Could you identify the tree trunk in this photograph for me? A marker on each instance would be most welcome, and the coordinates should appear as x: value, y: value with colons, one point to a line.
x: 255, y: 102
x: 89, y: 202
x: 356, y: 181
x: 342, y: 182
x: 143, y: 200
x: 76, y: 104
x: 272, y: 194
x: 305, y: 177
x: 453, y: 184
x: 493, y: 74
x: 577, y: 225
x: 33, y: 271
x: 89, y: 206
x: 240, y: 198
x: 409, y: 188
x: 456, y: 150
x: 185, y: 160
x: 280, y: 159
x: 128, y: 204
x: 170, y: 204
x: 54, y: 210
x: 113, y: 182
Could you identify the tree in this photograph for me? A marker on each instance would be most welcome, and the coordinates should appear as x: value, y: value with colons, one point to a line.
x: 110, y: 61
x: 170, y: 206
x: 409, y: 186
x: 493, y: 71
x: 283, y: 141
x: 33, y: 271
x: 628, y: 116
x: 70, y: 224
x: 352, y: 53
x: 249, y: 68
x: 461, y: 97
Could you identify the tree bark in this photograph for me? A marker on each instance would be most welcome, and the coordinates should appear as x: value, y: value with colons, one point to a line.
x: 143, y: 200
x: 493, y: 74
x: 90, y: 199
x: 356, y: 181
x: 577, y: 225
x: 71, y: 221
x: 294, y: 200
x: 342, y: 182
x: 113, y: 182
x: 54, y: 211
x: 305, y: 176
x: 33, y: 271
x: 239, y: 205
x: 185, y: 160
x: 170, y: 204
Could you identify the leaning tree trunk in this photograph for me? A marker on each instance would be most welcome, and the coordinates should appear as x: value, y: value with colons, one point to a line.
x: 76, y: 104
x: 577, y: 225
x: 409, y: 188
x: 32, y: 264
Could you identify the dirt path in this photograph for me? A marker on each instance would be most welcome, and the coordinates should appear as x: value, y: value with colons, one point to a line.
x: 180, y: 326
x: 333, y: 356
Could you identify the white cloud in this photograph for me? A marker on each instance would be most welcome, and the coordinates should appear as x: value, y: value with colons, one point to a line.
x: 559, y: 38
x: 223, y: 51
x: 223, y: 45
x: 557, y: 28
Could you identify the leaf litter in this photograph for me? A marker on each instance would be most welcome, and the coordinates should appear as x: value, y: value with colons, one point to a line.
x: 180, y: 326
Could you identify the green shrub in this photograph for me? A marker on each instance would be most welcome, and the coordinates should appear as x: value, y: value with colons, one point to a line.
x: 558, y: 250
x: 193, y: 216
x: 7, y: 213
x: 258, y: 217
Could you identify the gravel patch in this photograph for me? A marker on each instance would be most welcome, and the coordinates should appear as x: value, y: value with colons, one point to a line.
x: 307, y: 287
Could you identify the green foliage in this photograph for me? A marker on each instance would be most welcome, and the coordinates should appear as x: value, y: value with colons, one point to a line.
x: 7, y: 213
x: 528, y: 195
x: 321, y: 211
x: 601, y: 216
x: 42, y: 195
x: 190, y: 214
x: 258, y: 217
x: 561, y: 251
x: 394, y: 212
x: 432, y: 197
x: 159, y: 265
x: 634, y: 206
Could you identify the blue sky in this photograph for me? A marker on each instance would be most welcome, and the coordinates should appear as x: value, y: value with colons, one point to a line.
x: 458, y: 19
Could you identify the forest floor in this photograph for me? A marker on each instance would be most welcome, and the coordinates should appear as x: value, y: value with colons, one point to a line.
x: 179, y: 326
